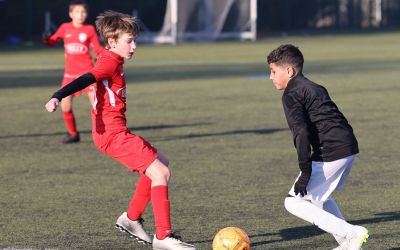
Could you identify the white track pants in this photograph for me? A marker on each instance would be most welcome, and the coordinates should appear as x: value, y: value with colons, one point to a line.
x: 317, y: 207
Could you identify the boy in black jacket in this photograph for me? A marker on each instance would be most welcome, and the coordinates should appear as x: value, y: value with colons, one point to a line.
x: 325, y: 144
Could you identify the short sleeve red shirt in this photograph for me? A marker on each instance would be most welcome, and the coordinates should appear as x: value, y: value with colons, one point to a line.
x: 77, y: 44
x: 109, y: 108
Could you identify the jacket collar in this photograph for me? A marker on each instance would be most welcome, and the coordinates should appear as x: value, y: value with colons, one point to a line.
x: 292, y: 82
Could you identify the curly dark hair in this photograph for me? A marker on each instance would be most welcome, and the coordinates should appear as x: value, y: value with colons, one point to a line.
x: 287, y: 54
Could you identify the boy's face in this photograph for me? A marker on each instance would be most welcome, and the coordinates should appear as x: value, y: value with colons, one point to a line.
x: 280, y: 75
x: 125, y: 45
x: 78, y: 14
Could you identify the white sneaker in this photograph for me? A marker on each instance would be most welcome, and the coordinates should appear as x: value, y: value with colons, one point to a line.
x: 133, y: 227
x: 171, y: 242
x: 342, y: 246
x: 358, y: 239
x: 341, y: 241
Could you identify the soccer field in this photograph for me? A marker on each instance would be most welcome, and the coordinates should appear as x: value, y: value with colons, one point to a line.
x: 212, y: 110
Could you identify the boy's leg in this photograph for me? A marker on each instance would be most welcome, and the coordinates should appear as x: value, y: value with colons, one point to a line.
x: 140, y: 199
x: 310, y: 212
x: 138, y: 155
x: 326, y: 177
x: 131, y: 221
x: 69, y: 120
x: 164, y: 237
x: 331, y: 207
x: 160, y: 174
x: 142, y: 194
x: 161, y: 210
x: 330, y: 204
x: 354, y: 236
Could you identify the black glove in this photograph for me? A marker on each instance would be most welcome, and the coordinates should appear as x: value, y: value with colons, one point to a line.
x: 300, y: 187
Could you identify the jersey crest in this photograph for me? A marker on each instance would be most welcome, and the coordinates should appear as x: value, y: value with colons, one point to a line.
x: 82, y: 37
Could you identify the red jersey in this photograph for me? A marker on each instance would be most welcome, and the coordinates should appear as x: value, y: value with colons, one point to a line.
x: 110, y: 134
x: 108, y: 113
x: 77, y: 44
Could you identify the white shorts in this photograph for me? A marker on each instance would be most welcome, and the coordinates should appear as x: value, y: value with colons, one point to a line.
x: 326, y: 177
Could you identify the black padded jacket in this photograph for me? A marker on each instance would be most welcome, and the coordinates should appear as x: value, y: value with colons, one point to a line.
x: 320, y: 131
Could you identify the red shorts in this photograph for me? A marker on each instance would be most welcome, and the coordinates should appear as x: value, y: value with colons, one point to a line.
x: 67, y: 80
x: 131, y: 150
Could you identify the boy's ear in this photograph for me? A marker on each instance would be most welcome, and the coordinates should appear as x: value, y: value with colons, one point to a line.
x: 111, y: 42
x: 291, y: 71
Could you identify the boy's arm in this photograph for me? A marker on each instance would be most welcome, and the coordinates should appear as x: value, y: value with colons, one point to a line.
x: 52, y: 40
x: 295, y: 115
x: 78, y: 84
x: 97, y: 48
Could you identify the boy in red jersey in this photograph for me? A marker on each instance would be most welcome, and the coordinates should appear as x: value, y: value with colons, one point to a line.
x: 78, y: 37
x: 112, y: 137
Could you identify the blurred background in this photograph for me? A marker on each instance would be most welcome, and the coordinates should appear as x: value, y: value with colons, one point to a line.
x: 25, y: 20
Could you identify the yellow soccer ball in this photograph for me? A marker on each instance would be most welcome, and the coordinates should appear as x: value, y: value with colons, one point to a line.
x: 231, y: 238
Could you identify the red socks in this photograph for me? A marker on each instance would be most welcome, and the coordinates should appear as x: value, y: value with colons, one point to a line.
x: 159, y: 199
x: 140, y: 199
x: 161, y: 211
x: 69, y: 120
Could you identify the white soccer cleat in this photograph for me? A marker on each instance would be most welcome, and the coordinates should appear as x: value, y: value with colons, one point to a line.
x: 343, y: 246
x: 359, y: 237
x: 355, y: 240
x: 133, y: 227
x: 171, y: 242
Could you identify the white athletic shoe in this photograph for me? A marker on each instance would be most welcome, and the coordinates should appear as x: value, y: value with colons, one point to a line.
x: 342, y: 246
x: 133, y: 227
x: 358, y: 239
x: 171, y: 242
x: 355, y: 240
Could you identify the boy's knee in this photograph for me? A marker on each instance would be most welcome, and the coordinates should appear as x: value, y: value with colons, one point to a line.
x: 292, y: 204
x: 158, y: 172
x: 289, y: 203
x: 167, y: 173
x: 163, y: 172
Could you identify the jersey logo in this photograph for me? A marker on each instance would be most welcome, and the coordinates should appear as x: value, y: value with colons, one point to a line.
x: 75, y: 48
x: 122, y: 92
x: 68, y: 35
x: 82, y: 37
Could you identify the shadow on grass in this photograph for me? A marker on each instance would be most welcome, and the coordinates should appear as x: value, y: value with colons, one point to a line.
x: 168, y: 138
x: 296, y: 233
x: 226, y: 133
x: 143, y: 128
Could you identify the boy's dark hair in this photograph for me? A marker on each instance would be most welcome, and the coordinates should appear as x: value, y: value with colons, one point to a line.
x: 73, y: 3
x: 287, y: 54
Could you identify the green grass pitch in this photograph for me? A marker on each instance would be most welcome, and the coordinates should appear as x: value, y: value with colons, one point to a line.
x: 211, y: 108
